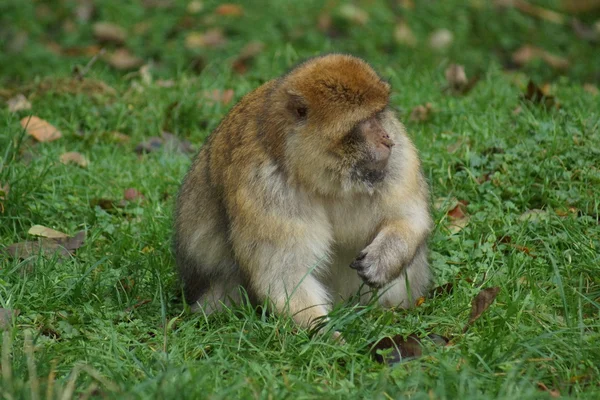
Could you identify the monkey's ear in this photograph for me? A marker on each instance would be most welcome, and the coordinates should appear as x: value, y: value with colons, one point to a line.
x: 297, y: 106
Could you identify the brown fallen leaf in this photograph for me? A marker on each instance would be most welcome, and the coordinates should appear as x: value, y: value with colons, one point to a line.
x: 6, y: 318
x: 480, y: 303
x: 585, y: 32
x: 554, y: 393
x: 230, y: 10
x: 536, y: 11
x: 40, y: 230
x: 421, y: 113
x: 580, y: 6
x: 132, y: 194
x: 220, y: 96
x: 248, y: 53
x: 118, y: 137
x: 4, y: 190
x: 18, y: 103
x: 527, y: 53
x: 122, y: 59
x: 534, y: 215
x: 354, y: 14
x: 112, y: 206
x: 590, y: 88
x: 457, y: 79
x: 441, y: 39
x: 404, y: 35
x: 458, y: 217
x: 167, y: 141
x: 84, y: 10
x: 78, y: 51
x: 212, y: 39
x: 396, y: 349
x: 456, y: 76
x: 194, y: 7
x: 538, y: 95
x: 109, y: 32
x: 41, y: 130
x: 62, y: 247
x: 75, y: 158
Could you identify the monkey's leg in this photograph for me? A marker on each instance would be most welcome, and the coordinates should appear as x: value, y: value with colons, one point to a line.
x: 207, y: 269
x: 280, y: 259
x: 413, y: 282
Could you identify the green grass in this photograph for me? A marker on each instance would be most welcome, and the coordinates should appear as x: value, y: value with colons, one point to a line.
x: 114, y: 306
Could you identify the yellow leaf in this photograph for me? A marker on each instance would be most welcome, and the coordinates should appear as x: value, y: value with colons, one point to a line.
x: 40, y: 129
x: 40, y: 230
x: 74, y: 157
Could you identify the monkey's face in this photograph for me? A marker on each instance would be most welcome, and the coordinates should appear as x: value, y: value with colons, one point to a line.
x: 366, y: 149
x: 333, y: 114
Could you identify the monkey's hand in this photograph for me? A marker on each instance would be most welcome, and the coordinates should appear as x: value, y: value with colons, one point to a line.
x: 390, y: 252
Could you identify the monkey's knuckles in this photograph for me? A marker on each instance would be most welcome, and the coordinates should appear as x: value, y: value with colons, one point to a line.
x: 370, y: 270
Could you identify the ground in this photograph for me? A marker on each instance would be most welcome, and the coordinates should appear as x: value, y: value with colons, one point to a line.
x: 515, y: 181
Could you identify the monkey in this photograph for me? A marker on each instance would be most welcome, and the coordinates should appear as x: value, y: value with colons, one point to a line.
x: 307, y: 193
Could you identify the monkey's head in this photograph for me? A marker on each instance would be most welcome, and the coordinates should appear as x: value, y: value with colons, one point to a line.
x: 330, y: 115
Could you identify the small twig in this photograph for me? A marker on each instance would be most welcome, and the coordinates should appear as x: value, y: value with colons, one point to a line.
x: 80, y: 73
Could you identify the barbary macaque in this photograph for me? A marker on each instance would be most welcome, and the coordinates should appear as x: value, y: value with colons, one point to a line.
x: 307, y: 189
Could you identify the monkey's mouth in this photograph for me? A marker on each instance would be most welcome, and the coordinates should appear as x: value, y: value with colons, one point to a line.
x: 369, y: 172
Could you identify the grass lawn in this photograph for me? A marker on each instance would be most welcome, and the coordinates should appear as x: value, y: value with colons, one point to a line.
x: 107, y: 319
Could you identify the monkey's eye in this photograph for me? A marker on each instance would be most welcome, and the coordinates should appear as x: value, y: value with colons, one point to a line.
x: 301, y: 112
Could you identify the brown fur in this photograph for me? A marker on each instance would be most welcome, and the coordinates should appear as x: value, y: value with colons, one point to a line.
x: 284, y: 197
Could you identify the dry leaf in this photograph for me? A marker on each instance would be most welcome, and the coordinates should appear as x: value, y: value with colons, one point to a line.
x: 132, y: 194
x: 480, y: 303
x: 248, y: 53
x: 456, y: 76
x: 525, y: 54
x: 580, y: 6
x: 404, y: 35
x: 212, y: 38
x: 535, y: 11
x: 4, y: 189
x: 75, y: 158
x: 40, y: 230
x: 421, y: 113
x: 554, y: 393
x: 6, y: 318
x: 122, y: 59
x: 40, y: 129
x: 167, y: 141
x: 118, y: 137
x: 109, y: 32
x: 420, y: 301
x: 397, y: 349
x: 585, y: 32
x: 535, y: 215
x: 354, y: 14
x: 62, y: 247
x: 538, y: 95
x: 84, y: 10
x: 232, y: 10
x: 441, y: 39
x: 194, y: 7
x: 18, y: 103
x: 220, y: 96
x: 590, y: 88
x: 458, y: 217
x: 108, y: 204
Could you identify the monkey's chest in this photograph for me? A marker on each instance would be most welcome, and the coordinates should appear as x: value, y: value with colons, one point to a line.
x: 354, y: 223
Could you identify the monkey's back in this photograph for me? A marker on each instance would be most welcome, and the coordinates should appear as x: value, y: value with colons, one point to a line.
x: 201, y: 242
